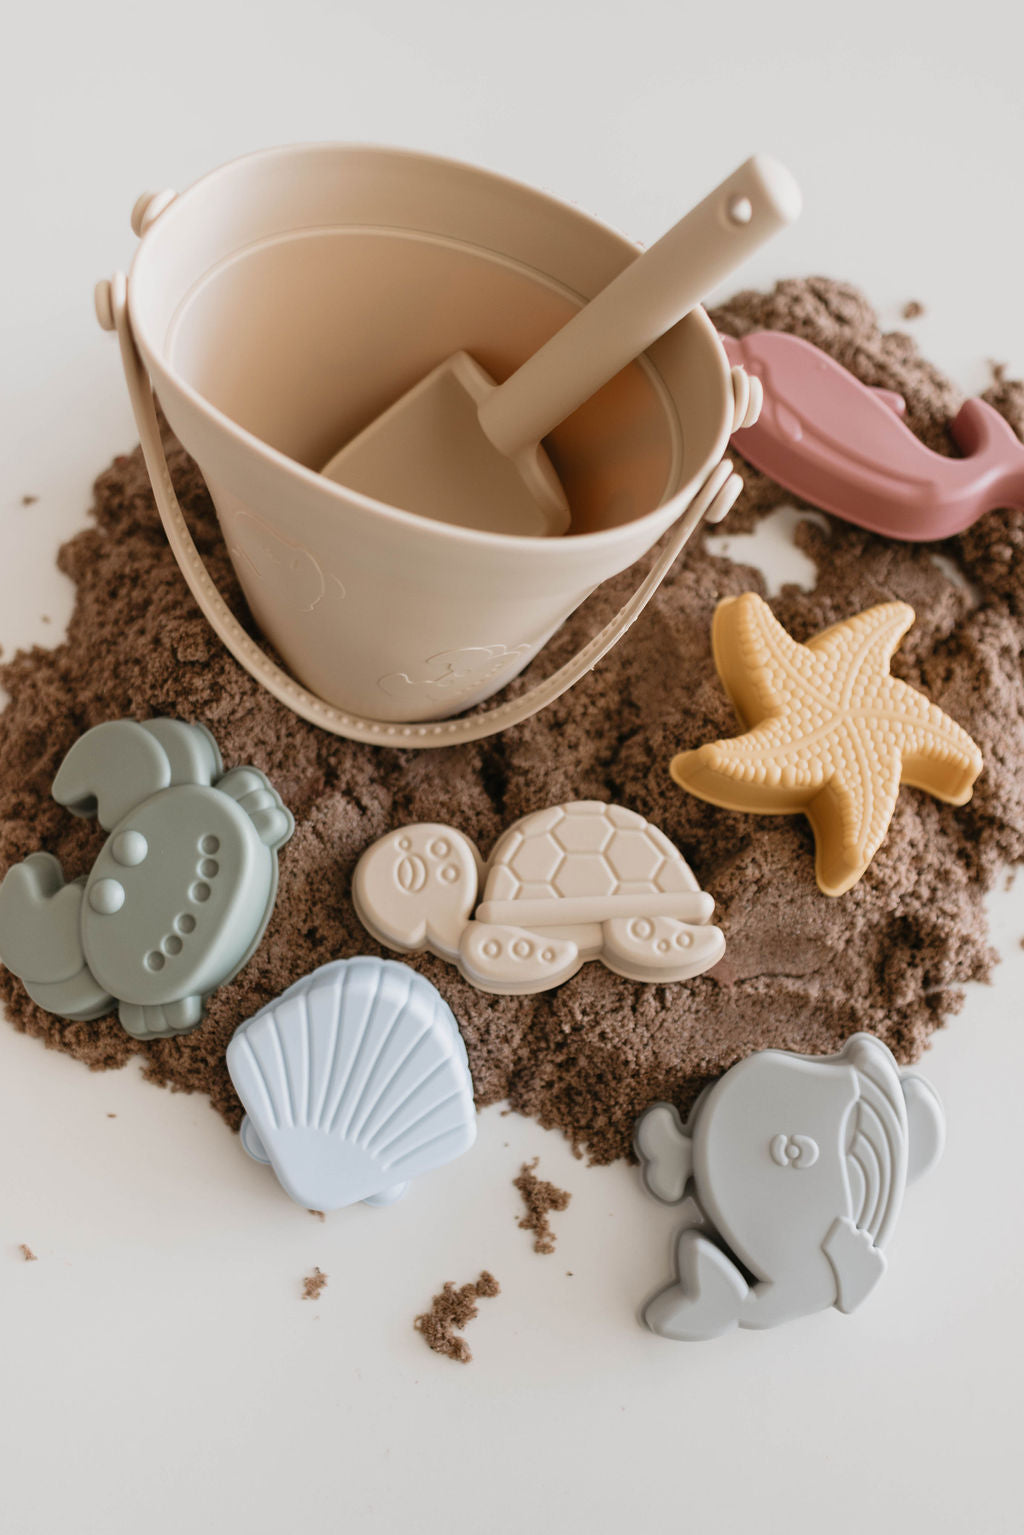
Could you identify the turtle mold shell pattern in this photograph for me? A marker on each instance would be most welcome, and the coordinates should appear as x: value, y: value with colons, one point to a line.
x: 584, y: 848
x: 354, y: 1081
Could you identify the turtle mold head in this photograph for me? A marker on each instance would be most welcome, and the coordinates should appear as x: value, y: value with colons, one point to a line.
x: 416, y: 888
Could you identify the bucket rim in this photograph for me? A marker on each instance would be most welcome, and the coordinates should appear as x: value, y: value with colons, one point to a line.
x: 665, y: 513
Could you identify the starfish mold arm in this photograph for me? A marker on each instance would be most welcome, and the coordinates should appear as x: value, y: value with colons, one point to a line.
x: 860, y: 649
x: 758, y: 662
x: 763, y: 770
x: 851, y: 814
x: 938, y: 754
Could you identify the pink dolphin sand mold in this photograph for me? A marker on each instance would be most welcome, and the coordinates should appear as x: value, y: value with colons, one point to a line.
x: 841, y: 445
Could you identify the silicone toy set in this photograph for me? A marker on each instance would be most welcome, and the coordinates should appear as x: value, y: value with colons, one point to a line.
x: 472, y: 476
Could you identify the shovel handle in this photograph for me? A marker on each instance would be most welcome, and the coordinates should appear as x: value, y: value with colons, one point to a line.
x: 713, y: 500
x: 638, y: 306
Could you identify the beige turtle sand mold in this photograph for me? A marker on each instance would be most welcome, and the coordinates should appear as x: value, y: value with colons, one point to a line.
x: 565, y: 885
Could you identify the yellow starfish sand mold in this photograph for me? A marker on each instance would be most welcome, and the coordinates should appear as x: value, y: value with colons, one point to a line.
x: 829, y: 732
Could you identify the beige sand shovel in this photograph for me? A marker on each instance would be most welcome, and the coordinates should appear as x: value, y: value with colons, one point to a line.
x: 461, y: 449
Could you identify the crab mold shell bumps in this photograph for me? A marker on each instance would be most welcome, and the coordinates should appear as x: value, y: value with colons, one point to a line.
x: 354, y: 1081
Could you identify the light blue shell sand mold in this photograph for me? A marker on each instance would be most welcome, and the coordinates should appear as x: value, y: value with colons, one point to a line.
x: 354, y: 1081
x: 794, y: 1167
x: 179, y: 895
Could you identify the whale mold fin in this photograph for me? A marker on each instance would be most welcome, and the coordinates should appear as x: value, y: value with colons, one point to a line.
x: 665, y: 1151
x: 856, y: 1262
x: 926, y: 1125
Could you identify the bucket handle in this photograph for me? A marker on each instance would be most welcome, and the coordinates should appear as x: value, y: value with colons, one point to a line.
x: 712, y: 501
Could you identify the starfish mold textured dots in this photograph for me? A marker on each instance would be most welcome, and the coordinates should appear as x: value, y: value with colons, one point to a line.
x: 828, y: 732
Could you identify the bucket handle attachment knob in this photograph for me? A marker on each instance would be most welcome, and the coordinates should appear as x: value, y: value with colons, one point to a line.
x: 716, y: 496
x: 748, y: 398
x: 148, y: 209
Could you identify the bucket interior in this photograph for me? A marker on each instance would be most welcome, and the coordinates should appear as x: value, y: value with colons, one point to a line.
x: 303, y: 305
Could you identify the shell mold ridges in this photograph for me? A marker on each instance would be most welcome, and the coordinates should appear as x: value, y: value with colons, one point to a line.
x: 355, y: 1080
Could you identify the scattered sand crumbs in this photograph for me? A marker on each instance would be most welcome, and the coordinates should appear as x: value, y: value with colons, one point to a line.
x: 913, y: 309
x: 453, y: 1308
x: 313, y: 1284
x: 27, y: 1253
x: 540, y: 1199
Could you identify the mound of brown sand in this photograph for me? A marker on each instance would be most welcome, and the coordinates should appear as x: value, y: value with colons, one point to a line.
x: 801, y: 971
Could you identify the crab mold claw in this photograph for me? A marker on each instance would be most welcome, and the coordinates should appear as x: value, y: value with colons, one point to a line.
x: 40, y: 939
x: 253, y: 792
x: 416, y: 888
x: 193, y: 756
x: 117, y: 765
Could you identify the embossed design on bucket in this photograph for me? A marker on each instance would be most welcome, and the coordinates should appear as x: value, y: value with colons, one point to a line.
x: 288, y: 566
x: 454, y: 674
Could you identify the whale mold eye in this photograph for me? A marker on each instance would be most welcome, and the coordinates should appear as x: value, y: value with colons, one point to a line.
x: 793, y: 1150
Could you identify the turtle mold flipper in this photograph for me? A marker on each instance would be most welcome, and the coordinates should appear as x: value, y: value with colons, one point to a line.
x: 662, y: 948
x: 507, y: 960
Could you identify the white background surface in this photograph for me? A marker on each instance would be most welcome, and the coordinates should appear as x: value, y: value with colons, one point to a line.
x: 158, y: 1371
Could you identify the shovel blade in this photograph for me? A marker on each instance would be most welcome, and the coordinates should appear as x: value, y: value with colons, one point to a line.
x: 429, y: 454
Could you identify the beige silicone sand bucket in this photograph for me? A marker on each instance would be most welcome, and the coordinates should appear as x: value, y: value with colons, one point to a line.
x: 283, y: 302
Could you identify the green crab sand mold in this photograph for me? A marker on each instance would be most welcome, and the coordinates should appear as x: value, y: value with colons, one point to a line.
x: 179, y: 895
